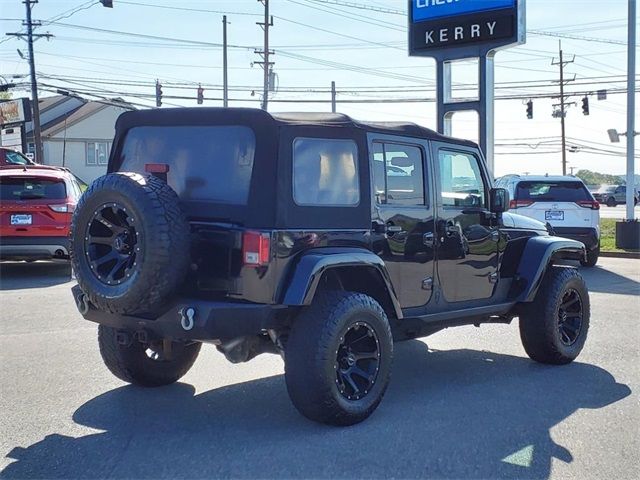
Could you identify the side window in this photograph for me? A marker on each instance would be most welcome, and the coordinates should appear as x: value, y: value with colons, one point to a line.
x: 398, y: 174
x: 325, y: 172
x: 460, y: 180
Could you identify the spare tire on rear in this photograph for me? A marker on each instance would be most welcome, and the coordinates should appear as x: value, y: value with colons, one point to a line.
x: 129, y: 243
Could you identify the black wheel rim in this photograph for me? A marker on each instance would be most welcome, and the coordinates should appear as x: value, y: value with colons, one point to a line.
x: 570, y: 316
x: 112, y: 244
x: 357, y: 361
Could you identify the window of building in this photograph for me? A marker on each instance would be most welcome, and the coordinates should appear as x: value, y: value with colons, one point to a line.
x: 325, y: 172
x: 97, y: 153
x: 398, y: 174
x: 461, y: 180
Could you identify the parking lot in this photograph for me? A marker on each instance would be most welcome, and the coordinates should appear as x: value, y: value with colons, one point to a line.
x: 464, y: 403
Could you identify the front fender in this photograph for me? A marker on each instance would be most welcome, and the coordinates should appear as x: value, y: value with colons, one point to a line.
x: 539, y: 254
x: 304, y: 277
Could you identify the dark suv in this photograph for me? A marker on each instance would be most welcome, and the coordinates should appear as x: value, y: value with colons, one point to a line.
x: 312, y: 236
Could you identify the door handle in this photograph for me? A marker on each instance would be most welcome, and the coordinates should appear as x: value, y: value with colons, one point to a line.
x: 428, y: 240
x: 393, y: 229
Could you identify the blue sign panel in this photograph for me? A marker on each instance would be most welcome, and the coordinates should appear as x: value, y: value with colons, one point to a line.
x: 431, y: 9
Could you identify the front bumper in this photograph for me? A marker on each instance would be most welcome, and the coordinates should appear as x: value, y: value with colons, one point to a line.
x: 589, y: 236
x: 33, y: 248
x: 208, y: 320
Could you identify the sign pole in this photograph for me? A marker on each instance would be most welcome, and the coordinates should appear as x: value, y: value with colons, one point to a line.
x: 465, y: 29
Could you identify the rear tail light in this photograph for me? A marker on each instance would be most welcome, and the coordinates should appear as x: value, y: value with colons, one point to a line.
x: 256, y: 248
x: 520, y: 203
x: 156, y: 168
x: 592, y: 204
x: 63, y: 208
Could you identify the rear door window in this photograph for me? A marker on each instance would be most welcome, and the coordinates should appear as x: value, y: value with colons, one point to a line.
x: 32, y: 188
x: 549, y: 191
x: 398, y: 174
x: 206, y: 163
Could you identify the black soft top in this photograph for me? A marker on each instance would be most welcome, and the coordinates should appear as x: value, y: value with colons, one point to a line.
x: 256, y: 117
x: 270, y: 203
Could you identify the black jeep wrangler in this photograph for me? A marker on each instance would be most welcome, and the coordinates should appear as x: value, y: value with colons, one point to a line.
x: 312, y: 236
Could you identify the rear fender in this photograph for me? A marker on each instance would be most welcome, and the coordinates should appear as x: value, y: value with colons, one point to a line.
x: 301, y: 284
x: 538, y: 255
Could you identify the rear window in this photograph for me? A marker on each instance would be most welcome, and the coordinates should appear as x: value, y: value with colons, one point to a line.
x: 15, y: 158
x: 325, y: 172
x: 206, y: 163
x: 32, y: 188
x: 552, y: 191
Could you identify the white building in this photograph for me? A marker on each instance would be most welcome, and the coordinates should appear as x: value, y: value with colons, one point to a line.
x: 77, y: 134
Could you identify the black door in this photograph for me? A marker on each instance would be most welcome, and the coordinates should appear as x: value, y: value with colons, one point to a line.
x: 467, y: 238
x: 403, y: 220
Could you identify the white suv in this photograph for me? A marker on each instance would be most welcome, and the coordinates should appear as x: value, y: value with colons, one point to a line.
x: 564, y: 202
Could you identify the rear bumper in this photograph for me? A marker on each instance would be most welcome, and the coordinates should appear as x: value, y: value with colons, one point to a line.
x: 209, y: 321
x: 33, y: 248
x: 588, y: 236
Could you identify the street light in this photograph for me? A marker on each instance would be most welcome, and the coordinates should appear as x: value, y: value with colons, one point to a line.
x: 614, y: 136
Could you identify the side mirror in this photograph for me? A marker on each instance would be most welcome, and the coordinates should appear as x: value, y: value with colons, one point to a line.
x: 498, y: 200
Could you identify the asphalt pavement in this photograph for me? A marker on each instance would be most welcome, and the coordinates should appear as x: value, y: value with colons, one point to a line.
x: 464, y: 403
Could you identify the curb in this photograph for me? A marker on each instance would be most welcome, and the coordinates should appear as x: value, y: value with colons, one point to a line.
x: 635, y: 255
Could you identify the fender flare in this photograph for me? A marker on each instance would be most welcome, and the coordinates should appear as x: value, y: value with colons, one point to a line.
x: 301, y: 283
x: 538, y: 255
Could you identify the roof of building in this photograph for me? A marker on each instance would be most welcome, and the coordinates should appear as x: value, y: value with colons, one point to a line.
x: 68, y: 119
x: 49, y: 102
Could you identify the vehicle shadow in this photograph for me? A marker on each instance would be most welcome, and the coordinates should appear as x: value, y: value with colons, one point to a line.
x: 602, y: 280
x: 21, y: 275
x: 447, y: 414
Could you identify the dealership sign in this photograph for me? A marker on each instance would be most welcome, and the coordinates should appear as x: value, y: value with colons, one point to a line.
x: 475, y: 26
x: 15, y: 111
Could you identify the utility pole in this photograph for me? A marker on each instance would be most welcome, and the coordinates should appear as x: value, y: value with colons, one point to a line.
x: 266, y: 64
x: 225, y: 84
x: 333, y: 97
x: 563, y: 112
x: 35, y: 106
x: 631, y: 105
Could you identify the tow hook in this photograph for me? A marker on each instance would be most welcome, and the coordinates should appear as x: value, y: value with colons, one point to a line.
x: 187, y: 315
x: 82, y: 302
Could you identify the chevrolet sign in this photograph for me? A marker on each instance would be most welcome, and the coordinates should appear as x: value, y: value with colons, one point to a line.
x: 436, y: 25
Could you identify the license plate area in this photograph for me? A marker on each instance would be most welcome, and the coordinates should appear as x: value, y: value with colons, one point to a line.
x: 21, y: 219
x: 557, y: 215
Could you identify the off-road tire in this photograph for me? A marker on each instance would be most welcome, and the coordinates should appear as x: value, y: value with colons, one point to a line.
x: 611, y: 202
x: 592, y: 257
x: 310, y: 358
x: 131, y: 363
x: 539, y: 322
x: 164, y: 241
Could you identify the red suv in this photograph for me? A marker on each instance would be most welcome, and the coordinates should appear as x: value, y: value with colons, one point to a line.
x: 36, y: 204
x: 13, y: 157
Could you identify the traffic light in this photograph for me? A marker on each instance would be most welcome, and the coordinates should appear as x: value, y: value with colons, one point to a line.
x: 529, y: 109
x: 585, y: 105
x: 158, y: 94
x: 200, y: 95
x: 107, y: 3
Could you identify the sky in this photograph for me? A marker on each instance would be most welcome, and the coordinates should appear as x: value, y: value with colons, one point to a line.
x: 359, y: 44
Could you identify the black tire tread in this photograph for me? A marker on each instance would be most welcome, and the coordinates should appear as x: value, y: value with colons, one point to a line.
x: 308, y: 345
x: 538, y: 321
x: 130, y: 364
